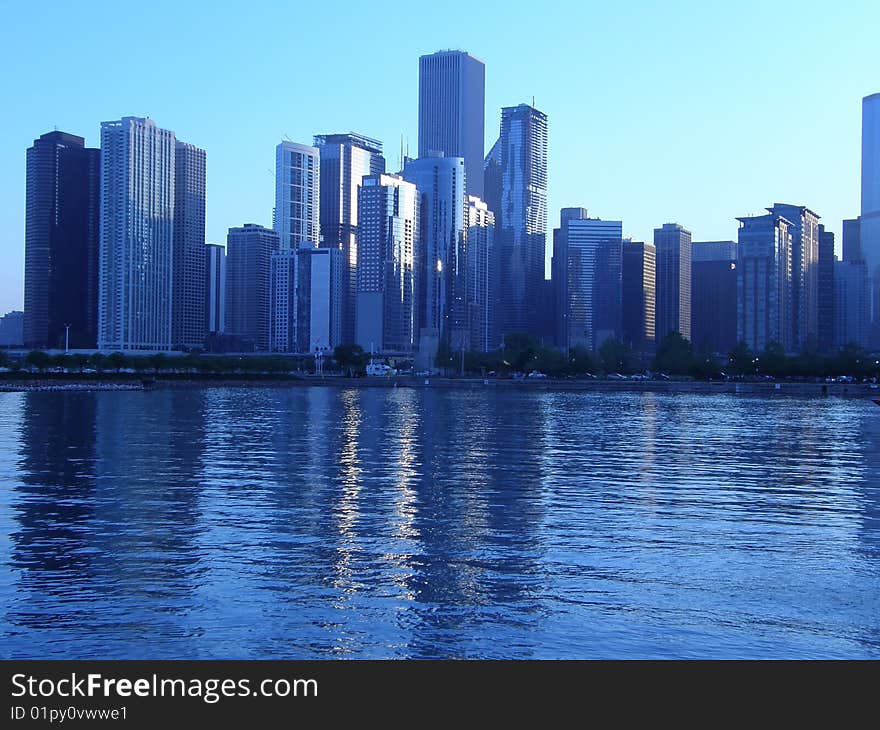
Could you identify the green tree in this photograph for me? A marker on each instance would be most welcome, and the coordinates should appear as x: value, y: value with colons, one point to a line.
x: 117, y: 360
x: 773, y: 360
x: 98, y: 361
x: 580, y: 361
x: 38, y: 359
x: 520, y: 350
x: 351, y: 358
x: 4, y: 359
x: 78, y: 361
x: 674, y: 355
x: 615, y: 356
x: 159, y: 361
x: 741, y: 359
x: 852, y: 360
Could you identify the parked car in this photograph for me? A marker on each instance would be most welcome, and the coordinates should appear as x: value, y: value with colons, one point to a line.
x: 536, y: 374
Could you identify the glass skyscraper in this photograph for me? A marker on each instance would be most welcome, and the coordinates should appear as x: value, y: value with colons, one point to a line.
x: 639, y: 270
x: 713, y: 297
x: 215, y: 288
x: 673, y: 313
x: 482, y: 275
x: 345, y: 159
x: 452, y: 109
x: 61, y: 242
x: 249, y: 252
x: 869, y: 224
x: 297, y: 191
x: 521, y: 216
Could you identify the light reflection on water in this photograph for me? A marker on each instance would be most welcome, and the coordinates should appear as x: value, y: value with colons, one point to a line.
x: 316, y: 522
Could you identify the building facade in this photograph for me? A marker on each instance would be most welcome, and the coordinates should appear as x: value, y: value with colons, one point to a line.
x: 764, y: 282
x: 297, y: 194
x: 852, y: 304
x: 136, y: 262
x: 249, y: 252
x: 344, y: 161
x: 442, y: 271
x: 388, y: 245
x: 673, y: 309
x: 61, y: 242
x: 452, y: 109
x: 825, y: 300
x: 320, y: 290
x: 869, y: 220
x: 188, y: 297
x: 12, y: 329
x: 713, y: 296
x: 638, y: 295
x: 482, y: 275
x: 215, y: 288
x: 521, y: 218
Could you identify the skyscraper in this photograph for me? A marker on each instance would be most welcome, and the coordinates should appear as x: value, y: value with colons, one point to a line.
x: 320, y: 296
x: 442, y: 270
x: 592, y: 271
x: 852, y: 246
x: 713, y: 296
x: 521, y: 218
x: 852, y: 304
x: 764, y: 282
x: 388, y: 242
x: 825, y: 301
x: 61, y: 242
x: 482, y: 275
x: 452, y: 108
x: 188, y: 298
x: 297, y: 194
x: 249, y: 252
x: 638, y: 295
x: 673, y: 244
x: 215, y: 288
x: 136, y: 261
x: 804, y: 230
x: 869, y: 224
x: 344, y: 161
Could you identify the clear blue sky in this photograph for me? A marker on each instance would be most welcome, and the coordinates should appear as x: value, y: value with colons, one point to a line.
x: 673, y: 111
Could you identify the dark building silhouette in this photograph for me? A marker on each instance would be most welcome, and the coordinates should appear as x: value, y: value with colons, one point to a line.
x: 673, y: 244
x: 61, y: 242
x: 825, y: 291
x: 713, y: 296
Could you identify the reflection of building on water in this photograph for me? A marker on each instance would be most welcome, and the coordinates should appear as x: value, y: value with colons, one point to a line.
x: 870, y: 484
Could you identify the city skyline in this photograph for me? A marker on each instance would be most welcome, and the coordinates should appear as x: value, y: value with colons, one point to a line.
x: 618, y: 165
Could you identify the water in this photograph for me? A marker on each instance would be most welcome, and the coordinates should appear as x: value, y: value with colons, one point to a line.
x: 322, y: 523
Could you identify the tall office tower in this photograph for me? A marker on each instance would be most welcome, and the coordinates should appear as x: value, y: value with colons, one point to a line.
x: 852, y: 304
x: 297, y: 194
x: 442, y: 272
x: 869, y: 224
x: 249, y: 252
x: 482, y: 275
x: 638, y: 295
x: 521, y: 218
x: 388, y: 245
x: 452, y: 111
x: 61, y: 242
x: 713, y: 296
x: 284, y: 304
x: 319, y: 326
x: 592, y: 307
x: 137, y: 235
x: 492, y: 178
x: 559, y: 273
x: 852, y: 246
x: 188, y: 298
x: 345, y: 160
x: 825, y: 291
x: 763, y: 285
x: 804, y: 231
x: 673, y: 244
x: 215, y: 288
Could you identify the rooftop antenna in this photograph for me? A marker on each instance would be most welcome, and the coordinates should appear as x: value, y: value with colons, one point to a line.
x: 533, y: 101
x: 400, y: 159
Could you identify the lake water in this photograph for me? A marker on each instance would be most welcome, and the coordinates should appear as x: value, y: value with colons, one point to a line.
x: 317, y: 522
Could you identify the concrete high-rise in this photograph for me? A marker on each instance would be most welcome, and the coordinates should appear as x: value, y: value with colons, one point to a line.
x: 188, y: 297
x: 136, y: 260
x: 452, y: 109
x: 442, y: 270
x: 215, y: 288
x: 764, y: 282
x: 249, y: 252
x: 804, y: 230
x: 639, y: 295
x: 713, y: 296
x: 589, y: 253
x: 297, y: 194
x: 61, y: 242
x: 869, y: 223
x: 825, y: 300
x: 482, y: 275
x: 388, y: 245
x: 344, y: 161
x: 673, y: 314
x: 320, y: 291
x: 852, y: 304
x: 521, y: 217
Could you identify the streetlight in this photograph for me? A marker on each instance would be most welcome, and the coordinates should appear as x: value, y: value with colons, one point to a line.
x: 66, y: 338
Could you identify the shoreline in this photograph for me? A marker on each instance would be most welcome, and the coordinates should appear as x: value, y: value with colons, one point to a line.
x: 769, y: 388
